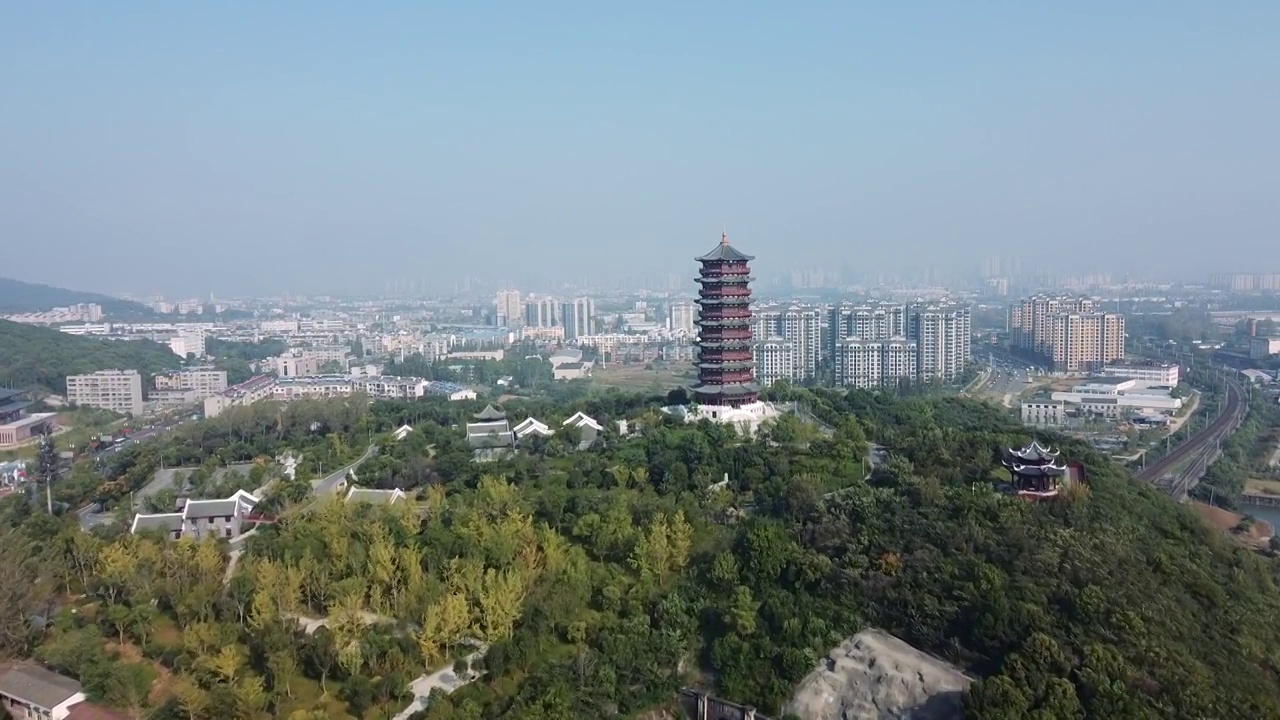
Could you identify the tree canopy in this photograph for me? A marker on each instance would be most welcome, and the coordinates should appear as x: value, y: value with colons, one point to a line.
x: 600, y: 581
x: 40, y: 357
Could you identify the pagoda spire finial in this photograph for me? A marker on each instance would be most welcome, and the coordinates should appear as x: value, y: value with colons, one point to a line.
x: 724, y: 236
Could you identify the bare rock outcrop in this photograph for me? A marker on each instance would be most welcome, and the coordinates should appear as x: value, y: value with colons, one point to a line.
x: 876, y: 676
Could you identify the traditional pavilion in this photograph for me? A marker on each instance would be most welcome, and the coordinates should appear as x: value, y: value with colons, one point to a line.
x: 1035, y: 471
x: 726, y: 371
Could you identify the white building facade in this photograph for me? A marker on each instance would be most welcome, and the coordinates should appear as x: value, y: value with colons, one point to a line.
x: 115, y: 390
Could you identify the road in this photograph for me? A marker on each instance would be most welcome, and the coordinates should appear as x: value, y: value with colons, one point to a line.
x: 142, y: 435
x: 1008, y: 377
x: 1205, y: 440
x: 326, y: 486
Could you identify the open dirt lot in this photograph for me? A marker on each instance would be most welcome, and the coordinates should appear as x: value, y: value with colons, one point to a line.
x: 661, y: 377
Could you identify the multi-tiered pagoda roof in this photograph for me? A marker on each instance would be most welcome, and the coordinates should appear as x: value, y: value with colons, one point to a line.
x: 726, y: 369
x: 1035, y: 470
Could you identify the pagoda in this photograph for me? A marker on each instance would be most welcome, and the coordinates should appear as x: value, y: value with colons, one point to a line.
x: 1034, y: 471
x: 726, y: 371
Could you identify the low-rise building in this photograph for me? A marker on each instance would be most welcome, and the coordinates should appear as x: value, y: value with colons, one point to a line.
x: 374, y: 497
x: 531, y: 427
x: 1043, y: 411
x: 16, y: 424
x: 1147, y: 373
x: 83, y: 312
x: 496, y: 355
x: 386, y: 387
x: 311, y: 386
x: 296, y: 365
x: 246, y: 393
x: 30, y: 692
x: 450, y: 391
x: 184, y: 345
x: 571, y: 371
x: 115, y: 390
x: 1116, y: 397
x: 325, y: 386
x: 1261, y: 348
x: 490, y: 436
x: 589, y: 430
x: 199, y: 519
x: 204, y: 380
x: 173, y: 398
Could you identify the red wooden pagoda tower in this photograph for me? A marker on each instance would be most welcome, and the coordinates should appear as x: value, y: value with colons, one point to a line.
x: 726, y: 372
x: 1035, y: 471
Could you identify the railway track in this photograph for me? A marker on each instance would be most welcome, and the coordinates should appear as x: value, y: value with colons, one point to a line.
x: 1204, y: 440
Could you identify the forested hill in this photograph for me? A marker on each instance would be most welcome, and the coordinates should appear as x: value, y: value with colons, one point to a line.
x: 39, y: 357
x: 604, y: 579
x: 21, y: 297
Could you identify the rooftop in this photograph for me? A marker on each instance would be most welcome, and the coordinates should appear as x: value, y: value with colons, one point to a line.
x: 489, y: 413
x: 1033, y: 453
x: 724, y: 251
x: 37, y: 686
x: 374, y: 497
x: 238, y: 504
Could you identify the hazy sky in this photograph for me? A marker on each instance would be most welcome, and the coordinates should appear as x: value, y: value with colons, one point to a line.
x: 240, y: 147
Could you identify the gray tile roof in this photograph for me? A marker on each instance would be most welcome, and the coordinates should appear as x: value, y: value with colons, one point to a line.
x: 490, y: 413
x: 491, y: 440
x: 169, y: 522
x: 37, y: 686
x: 724, y: 251
x: 374, y: 497
x: 214, y: 508
x: 209, y: 508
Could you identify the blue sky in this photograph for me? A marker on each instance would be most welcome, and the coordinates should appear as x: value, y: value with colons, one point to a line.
x: 234, y: 147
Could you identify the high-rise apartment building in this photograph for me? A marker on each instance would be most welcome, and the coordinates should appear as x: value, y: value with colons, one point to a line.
x: 578, y: 317
x: 800, y: 327
x: 775, y: 360
x: 682, y: 317
x: 509, y: 310
x: 115, y: 390
x: 1086, y: 341
x: 941, y: 332
x: 1072, y: 334
x: 881, y: 321
x: 881, y: 344
x: 874, y: 363
x: 542, y: 312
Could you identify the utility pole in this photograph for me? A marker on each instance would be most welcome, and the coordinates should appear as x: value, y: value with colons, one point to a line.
x: 47, y: 465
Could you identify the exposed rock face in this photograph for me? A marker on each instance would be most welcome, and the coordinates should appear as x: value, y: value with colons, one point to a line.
x: 876, y: 676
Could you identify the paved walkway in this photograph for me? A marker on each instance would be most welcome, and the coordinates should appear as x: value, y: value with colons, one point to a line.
x: 442, y: 679
x: 311, y: 624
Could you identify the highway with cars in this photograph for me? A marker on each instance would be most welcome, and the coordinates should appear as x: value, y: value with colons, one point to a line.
x: 1008, y: 376
x: 143, y: 434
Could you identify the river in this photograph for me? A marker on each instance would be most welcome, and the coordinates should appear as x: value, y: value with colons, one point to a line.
x: 1270, y: 514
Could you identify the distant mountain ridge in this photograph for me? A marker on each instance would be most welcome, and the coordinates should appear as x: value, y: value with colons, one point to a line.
x: 17, y: 296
